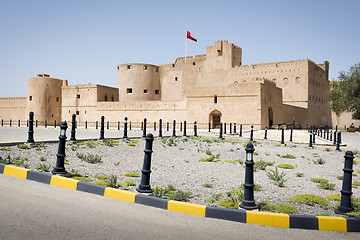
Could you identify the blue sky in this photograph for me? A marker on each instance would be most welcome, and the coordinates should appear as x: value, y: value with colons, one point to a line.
x: 83, y: 41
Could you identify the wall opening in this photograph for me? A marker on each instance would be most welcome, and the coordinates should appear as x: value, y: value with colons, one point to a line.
x: 78, y: 96
x: 270, y: 116
x: 128, y: 67
x: 146, y: 91
x: 215, y: 119
x: 77, y: 113
x: 112, y: 98
x: 129, y: 90
x: 57, y: 99
x: 215, y: 99
x: 157, y: 92
x: 30, y: 98
x: 145, y: 68
x: 175, y: 78
x: 105, y: 98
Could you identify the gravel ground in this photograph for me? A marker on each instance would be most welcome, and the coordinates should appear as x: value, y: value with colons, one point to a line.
x: 180, y: 166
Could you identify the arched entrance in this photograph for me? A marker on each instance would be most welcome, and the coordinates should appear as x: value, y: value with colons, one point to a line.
x: 270, y: 116
x: 215, y: 119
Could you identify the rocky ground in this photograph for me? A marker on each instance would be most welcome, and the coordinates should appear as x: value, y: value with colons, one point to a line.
x: 177, y: 162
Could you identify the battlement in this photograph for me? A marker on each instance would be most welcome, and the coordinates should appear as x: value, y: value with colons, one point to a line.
x: 43, y: 75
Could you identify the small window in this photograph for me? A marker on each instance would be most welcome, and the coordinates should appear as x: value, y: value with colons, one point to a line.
x: 69, y: 111
x: 254, y: 67
x: 77, y: 113
x: 117, y: 68
x: 173, y: 65
x: 215, y: 99
x: 146, y: 91
x: 175, y: 78
x: 145, y: 68
x: 105, y: 98
x: 157, y: 92
x: 85, y: 111
x: 30, y: 98
x: 52, y: 115
x: 57, y: 99
x: 112, y: 98
x: 277, y: 65
x: 156, y: 69
x: 129, y: 90
x: 128, y: 67
x: 194, y: 63
x: 78, y: 96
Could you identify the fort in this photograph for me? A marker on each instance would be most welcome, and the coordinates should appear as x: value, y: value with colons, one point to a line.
x: 211, y: 88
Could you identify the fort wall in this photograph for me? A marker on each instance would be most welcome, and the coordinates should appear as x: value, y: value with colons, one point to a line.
x: 13, y: 108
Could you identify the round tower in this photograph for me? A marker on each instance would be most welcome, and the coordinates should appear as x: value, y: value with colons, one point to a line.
x: 44, y: 98
x: 138, y: 82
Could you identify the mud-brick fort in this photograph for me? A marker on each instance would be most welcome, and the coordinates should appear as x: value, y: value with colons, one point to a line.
x: 211, y: 88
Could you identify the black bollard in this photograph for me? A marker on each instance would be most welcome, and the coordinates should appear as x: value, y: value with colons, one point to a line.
x: 36, y: 123
x: 209, y: 128
x: 130, y: 126
x: 184, y: 134
x: 174, y: 125
x: 345, y: 202
x: 125, y: 128
x: 85, y: 124
x: 240, y: 134
x: 102, y: 128
x: 234, y: 127
x: 31, y: 128
x: 230, y: 128
x: 334, y: 138
x: 27, y: 123
x: 144, y: 186
x: 321, y: 132
x: 314, y: 134
x: 310, y: 142
x: 265, y: 137
x: 154, y: 126
x: 60, y: 169
x: 291, y: 134
x: 195, y: 129
x: 282, y: 136
x: 336, y: 128
x: 142, y: 126
x: 19, y: 123
x: 55, y: 124
x: 167, y: 126
x: 180, y: 126
x: 45, y: 123
x: 73, y: 124
x: 330, y: 136
x: 10, y: 123
x: 2, y: 122
x: 107, y: 125
x: 144, y: 130
x: 252, y: 133
x: 224, y: 128
x: 118, y: 125
x: 96, y: 125
x: 248, y: 202
x: 338, y: 141
x: 160, y: 128
x: 221, y: 131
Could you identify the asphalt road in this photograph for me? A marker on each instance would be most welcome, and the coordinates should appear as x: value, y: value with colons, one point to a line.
x: 32, y: 210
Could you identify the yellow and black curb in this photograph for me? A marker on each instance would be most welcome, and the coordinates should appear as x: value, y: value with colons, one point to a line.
x: 340, y: 224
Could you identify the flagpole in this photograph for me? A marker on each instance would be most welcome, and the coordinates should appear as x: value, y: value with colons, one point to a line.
x: 185, y: 47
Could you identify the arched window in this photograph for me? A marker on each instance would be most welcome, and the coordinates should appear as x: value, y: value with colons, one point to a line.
x: 297, y: 80
x: 285, y: 80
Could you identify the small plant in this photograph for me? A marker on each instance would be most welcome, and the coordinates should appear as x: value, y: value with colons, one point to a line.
x: 319, y: 180
x: 235, y: 197
x: 112, y: 180
x: 117, y: 164
x: 285, y: 166
x: 327, y: 149
x: 356, y: 183
x: 43, y: 159
x: 101, y: 177
x: 280, y: 207
x: 276, y: 177
x: 101, y: 182
x: 288, y: 156
x: 39, y: 146
x: 111, y: 142
x: 308, y: 199
x: 207, y: 185
x: 299, y: 174
x: 91, y: 143
x: 256, y: 153
x: 90, y: 158
x: 6, y: 149
x: 262, y: 165
x: 257, y: 187
x: 74, y: 173
x: 340, y: 177
x: 19, y: 161
x: 179, y: 195
x: 83, y: 179
x: 211, y: 158
x: 43, y: 167
x: 327, y: 186
x: 319, y: 161
x: 334, y: 197
x: 132, y: 174
x: 23, y: 146
x: 159, y: 192
x: 126, y: 184
x: 234, y: 161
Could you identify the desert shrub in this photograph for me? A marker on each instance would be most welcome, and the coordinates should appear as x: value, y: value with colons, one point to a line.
x: 132, y: 174
x: 19, y: 161
x: 319, y: 161
x: 234, y: 161
x: 102, y: 177
x: 334, y: 197
x: 299, y: 174
x: 126, y: 184
x: 43, y: 167
x: 23, y: 146
x: 74, y: 173
x: 356, y: 183
x: 101, y: 182
x: 319, y: 180
x: 327, y: 186
x: 288, y: 156
x: 179, y: 195
x: 327, y: 149
x: 277, y: 177
x: 340, y: 177
x: 91, y: 143
x: 111, y: 142
x: 5, y: 149
x: 207, y: 185
x: 262, y: 165
x: 309, y: 199
x: 211, y: 158
x: 280, y: 207
x: 90, y: 158
x: 285, y: 165
x: 112, y: 180
x: 83, y: 179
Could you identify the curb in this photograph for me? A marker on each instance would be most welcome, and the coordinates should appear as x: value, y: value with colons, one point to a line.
x: 340, y: 224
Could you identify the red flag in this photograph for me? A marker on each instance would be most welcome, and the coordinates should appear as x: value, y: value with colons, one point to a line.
x: 190, y: 36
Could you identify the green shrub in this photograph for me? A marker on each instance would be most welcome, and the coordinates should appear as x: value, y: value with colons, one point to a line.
x: 74, y: 173
x: 334, y: 197
x: 132, y: 174
x: 90, y: 158
x: 44, y: 167
x: 327, y: 186
x: 280, y: 207
x: 234, y: 161
x: 159, y: 192
x: 276, y: 177
x: 23, y: 146
x: 229, y: 204
x: 309, y: 199
x: 43, y: 159
x: 19, y: 161
x: 210, y: 200
x: 112, y: 180
x: 207, y: 185
x: 285, y: 165
x: 262, y: 165
x: 101, y: 182
x: 319, y: 180
x: 319, y: 161
x: 111, y: 142
x: 256, y: 153
x: 83, y: 179
x: 340, y: 177
x: 288, y: 156
x: 91, y: 143
x: 126, y: 184
x: 179, y: 195
x: 356, y: 183
x: 102, y: 177
x: 299, y: 174
x: 327, y: 149
x: 6, y: 149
